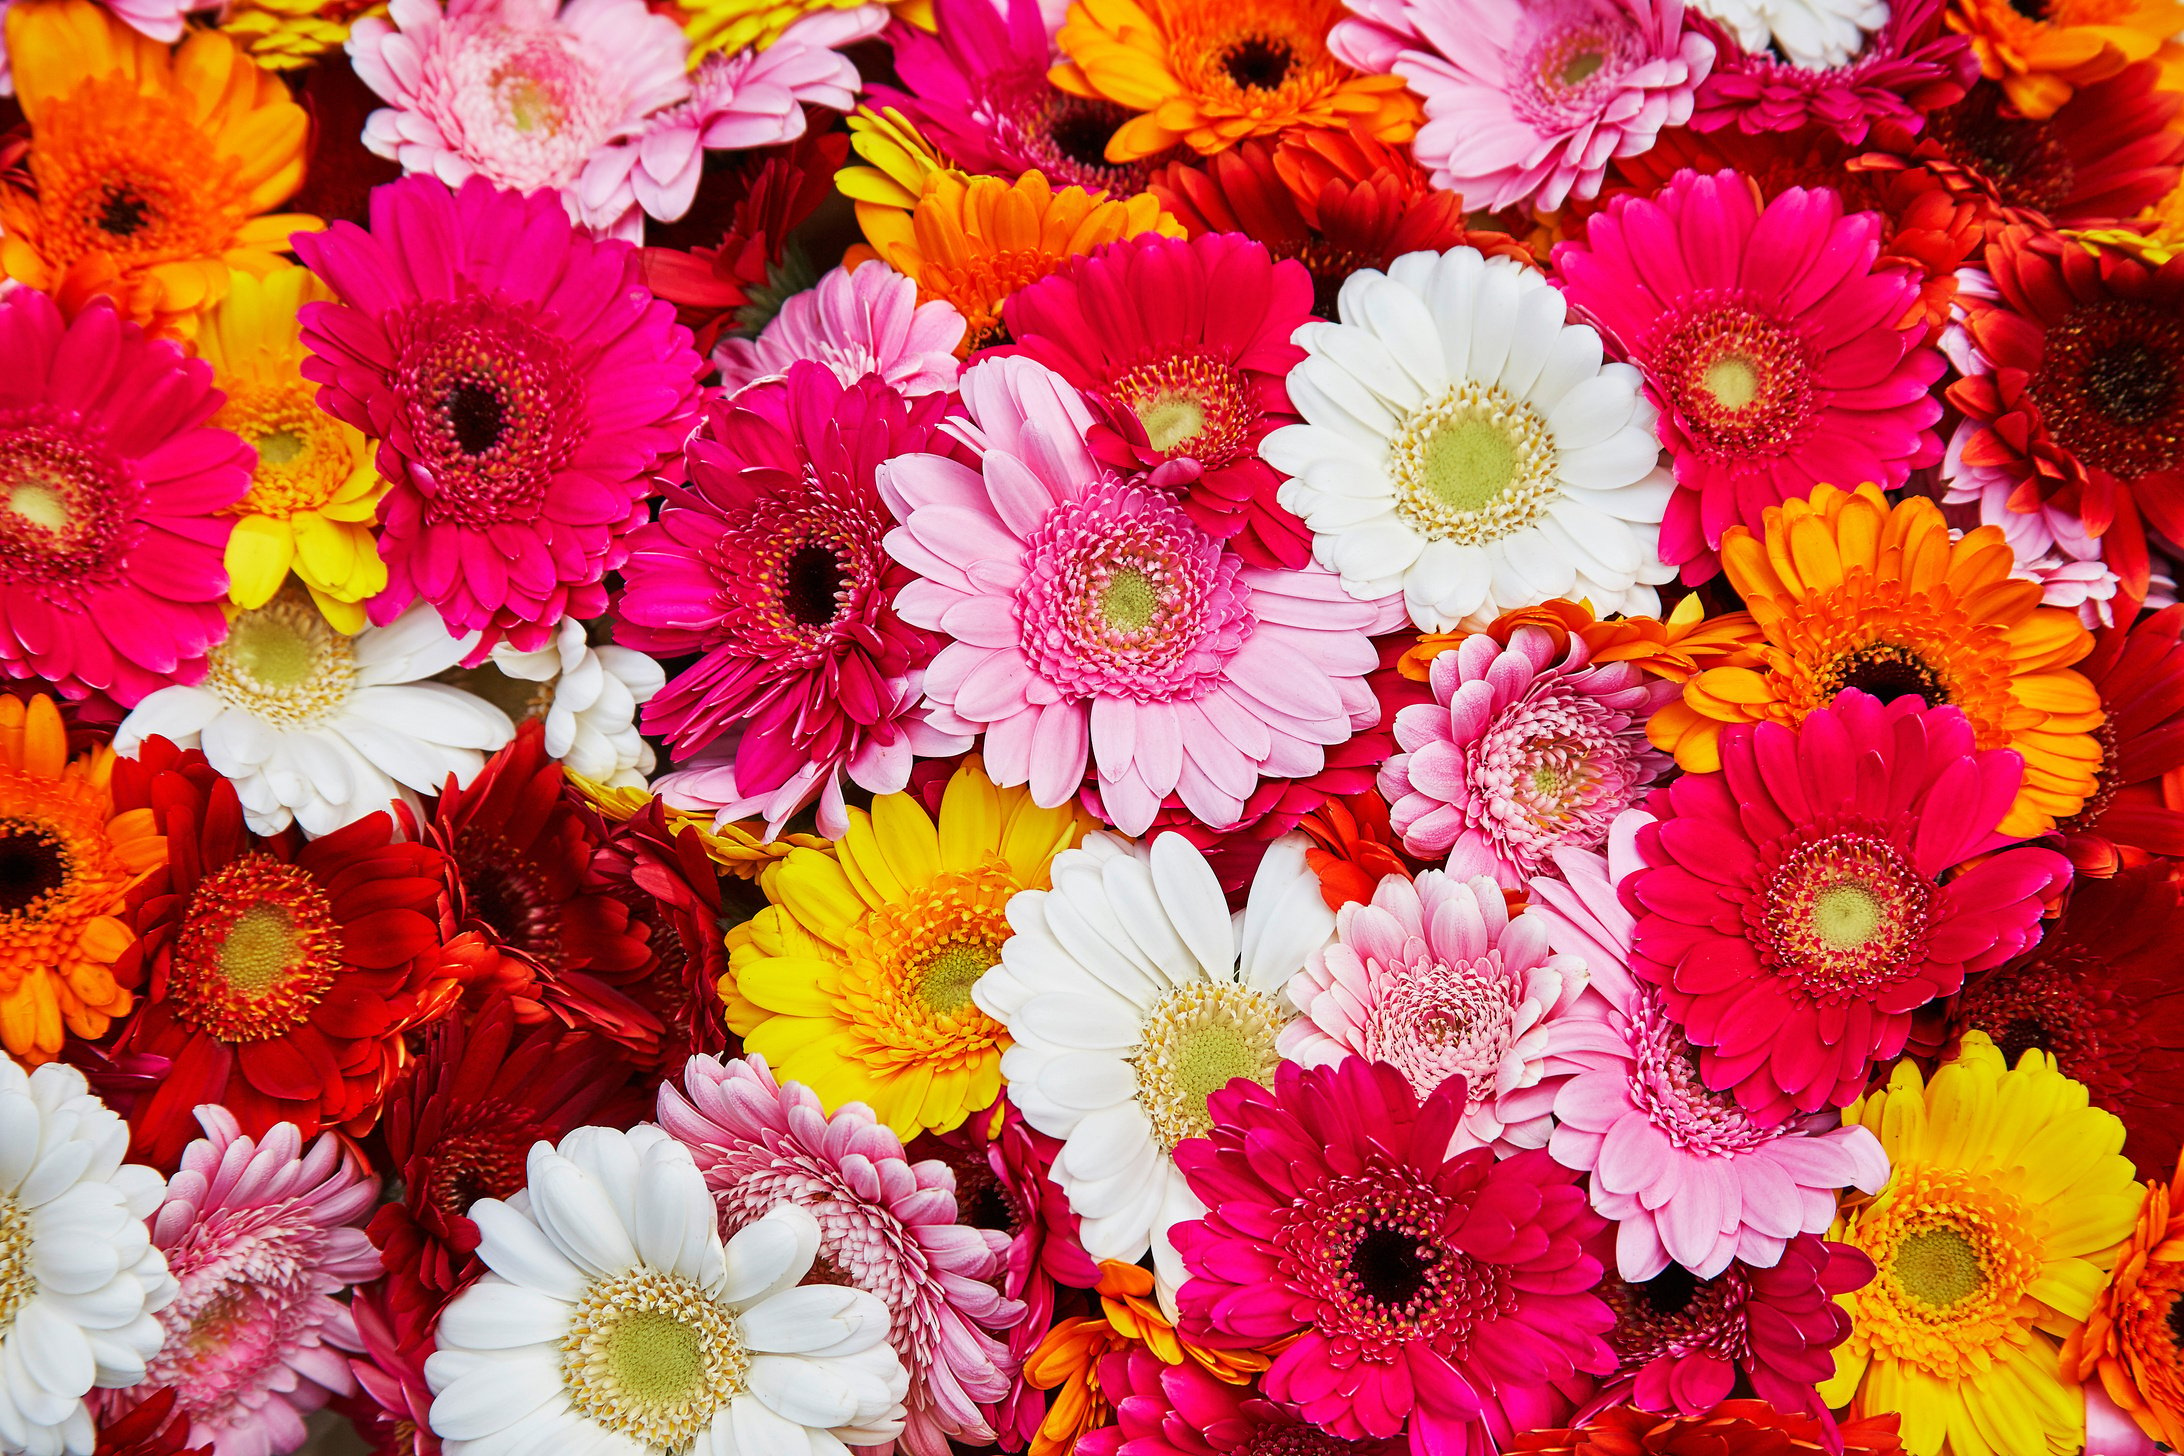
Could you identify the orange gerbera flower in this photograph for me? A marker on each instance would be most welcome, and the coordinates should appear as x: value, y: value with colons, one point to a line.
x: 67, y: 862
x: 2041, y: 56
x: 1208, y: 73
x: 1849, y: 592
x: 1676, y: 648
x: 2131, y: 1339
x: 149, y: 171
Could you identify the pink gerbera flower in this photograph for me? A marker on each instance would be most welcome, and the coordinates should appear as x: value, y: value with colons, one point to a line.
x: 1192, y: 337
x: 1435, y: 978
x: 1096, y: 622
x: 887, y: 1225
x: 1442, y: 1294
x: 1796, y: 908
x: 1528, y: 102
x: 112, y: 537
x: 856, y: 323
x: 1521, y: 753
x: 522, y: 384
x: 1909, y: 67
x: 1184, y: 1410
x: 769, y: 566
x: 1779, y: 355
x: 261, y: 1234
x: 1686, y: 1174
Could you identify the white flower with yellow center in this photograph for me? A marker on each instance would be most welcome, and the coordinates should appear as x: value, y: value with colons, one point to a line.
x: 589, y: 697
x: 614, y: 1321
x: 321, y: 728
x: 1132, y: 995
x: 80, y: 1279
x: 1465, y: 445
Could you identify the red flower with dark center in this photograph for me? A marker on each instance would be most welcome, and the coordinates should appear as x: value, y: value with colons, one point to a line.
x: 146, y: 1427
x: 1733, y: 1428
x: 663, y: 873
x: 2137, y: 809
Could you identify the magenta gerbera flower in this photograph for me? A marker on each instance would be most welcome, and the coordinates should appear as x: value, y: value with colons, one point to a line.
x: 111, y: 492
x: 1096, y: 622
x: 1441, y: 1294
x: 1909, y: 67
x: 1192, y: 337
x: 768, y: 566
x: 1779, y: 355
x: 886, y: 1225
x: 1183, y: 1410
x: 522, y: 384
x: 1798, y: 906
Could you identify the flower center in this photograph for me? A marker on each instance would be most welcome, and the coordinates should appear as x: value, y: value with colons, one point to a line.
x: 1579, y: 68
x: 1956, y: 1256
x: 492, y: 406
x: 1666, y: 1086
x: 33, y: 864
x: 2027, y: 163
x: 947, y: 977
x: 1741, y: 381
x: 17, y: 1281
x: 468, y: 1166
x: 649, y: 1355
x: 1845, y: 914
x: 1677, y: 1314
x: 283, y: 663
x: 1128, y: 601
x: 258, y: 949
x: 1938, y: 1266
x: 502, y: 889
x: 1196, y: 1040
x: 910, y: 964
x: 1391, y: 1267
x: 1258, y: 63
x: 2107, y: 386
x: 1887, y: 671
x: 1473, y: 466
x: 1190, y: 405
x: 811, y: 585
x: 64, y: 512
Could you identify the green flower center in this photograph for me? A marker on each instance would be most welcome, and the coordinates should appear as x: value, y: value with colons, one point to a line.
x: 1196, y: 1041
x: 255, y: 956
x: 1938, y: 1266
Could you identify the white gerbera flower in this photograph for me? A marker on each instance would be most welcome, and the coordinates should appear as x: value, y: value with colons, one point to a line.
x: 80, y: 1279
x: 321, y: 728
x: 590, y: 703
x: 1465, y: 444
x: 1815, y: 34
x: 1132, y: 994
x: 614, y: 1322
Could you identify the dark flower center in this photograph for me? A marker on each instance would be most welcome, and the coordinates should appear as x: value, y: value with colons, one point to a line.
x: 1391, y: 1266
x: 1257, y: 63
x: 1888, y: 671
x: 2131, y: 384
x: 477, y: 414
x: 483, y: 1163
x: 2030, y: 9
x: 509, y: 900
x: 2176, y: 1319
x: 2021, y: 1035
x: 811, y: 585
x: 123, y: 212
x: 1296, y: 1438
x: 1669, y: 1292
x: 1080, y: 132
x: 32, y: 865
x: 2107, y: 386
x: 2028, y: 166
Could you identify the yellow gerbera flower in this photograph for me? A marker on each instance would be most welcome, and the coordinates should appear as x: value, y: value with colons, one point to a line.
x: 728, y: 26
x: 150, y: 172
x: 285, y: 35
x: 2041, y: 56
x: 856, y: 979
x: 738, y: 848
x: 2006, y: 1205
x: 1209, y: 73
x: 1848, y: 591
x: 314, y: 491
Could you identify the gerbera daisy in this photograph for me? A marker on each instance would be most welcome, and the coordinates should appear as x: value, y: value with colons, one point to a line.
x: 69, y: 856
x: 2040, y: 54
x: 1526, y: 103
x: 1442, y: 457
x: 614, y: 1318
x: 2000, y: 1221
x: 1096, y: 625
x: 662, y: 867
x: 149, y: 169
x: 768, y: 565
x: 1733, y: 1428
x: 261, y: 1233
x: 321, y: 729
x: 2134, y: 812
x: 1778, y: 353
x: 1443, y: 1293
x: 1687, y: 1174
x: 1130, y: 997
x: 2130, y: 1339
x: 313, y: 489
x: 1436, y: 978
x: 1192, y: 338
x: 866, y: 322
x: 587, y: 697
x: 1885, y: 599
x: 1819, y: 34
x: 391, y: 1411
x: 148, y: 1427
x: 890, y: 1228
x: 520, y: 392
x: 111, y: 528
x: 1908, y: 67
x: 1181, y: 1410
x: 857, y: 978
x: 80, y: 1278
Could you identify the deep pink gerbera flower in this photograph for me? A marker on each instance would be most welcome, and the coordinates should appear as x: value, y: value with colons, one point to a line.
x: 111, y: 491
x: 522, y: 384
x: 1443, y: 1295
x: 1521, y: 753
x: 1192, y: 337
x: 1778, y: 354
x: 1686, y: 1173
x: 1798, y: 906
x: 1095, y: 622
x: 769, y: 566
x: 887, y: 1225
x: 1909, y: 67
x: 1183, y: 1410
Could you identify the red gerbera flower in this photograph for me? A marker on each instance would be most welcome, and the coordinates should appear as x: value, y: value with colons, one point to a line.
x: 1733, y: 1428
x: 146, y: 1427
x: 1354, y: 848
x: 661, y: 870
x: 2137, y: 810
x: 392, y: 1404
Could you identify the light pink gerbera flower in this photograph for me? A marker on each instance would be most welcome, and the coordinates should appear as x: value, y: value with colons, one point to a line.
x: 886, y: 1225
x: 1094, y: 621
x: 1521, y: 753
x: 261, y: 1235
x: 1435, y: 978
x: 866, y: 322
x: 1528, y: 100
x: 1686, y: 1173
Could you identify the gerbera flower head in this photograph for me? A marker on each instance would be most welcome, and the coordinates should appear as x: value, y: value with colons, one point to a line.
x: 1907, y: 68
x: 1886, y: 599
x: 890, y: 1228
x: 2133, y: 813
x: 150, y: 168
x: 2129, y: 1341
x: 520, y: 392
x: 2040, y: 57
x: 663, y: 869
x: 1524, y: 750
x: 1081, y: 602
x: 1184, y: 1410
x: 1528, y: 103
x: 1192, y: 338
x: 1986, y: 1255
x: 1733, y: 1428
x: 148, y: 1427
x: 391, y: 1409
x: 855, y: 323
x: 261, y: 1233
x: 1377, y: 1242
x: 1774, y: 346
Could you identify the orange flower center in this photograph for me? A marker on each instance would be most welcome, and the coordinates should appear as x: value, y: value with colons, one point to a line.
x: 258, y: 948
x: 912, y: 963
x: 303, y: 456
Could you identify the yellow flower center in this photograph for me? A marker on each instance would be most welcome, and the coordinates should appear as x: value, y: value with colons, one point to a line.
x: 1938, y: 1266
x: 1197, y: 1040
x: 258, y: 950
x: 1170, y: 419
x: 283, y: 663
x: 1732, y: 381
x: 651, y: 1356
x: 1956, y: 1255
x: 946, y: 980
x: 1472, y: 466
x: 17, y: 1283
x: 912, y: 963
x: 41, y: 503
x: 305, y: 456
